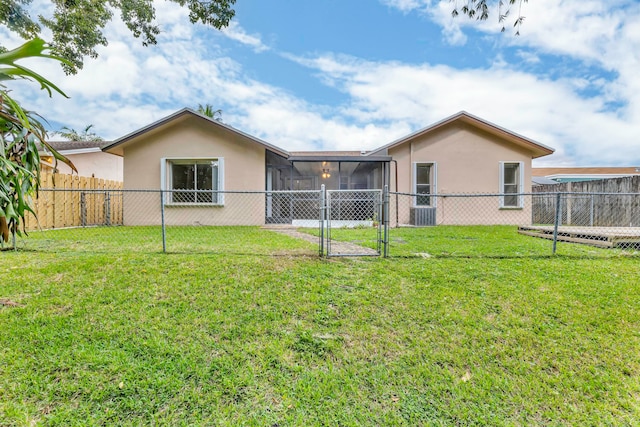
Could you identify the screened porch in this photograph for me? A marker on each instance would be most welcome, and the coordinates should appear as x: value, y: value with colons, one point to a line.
x: 301, y: 173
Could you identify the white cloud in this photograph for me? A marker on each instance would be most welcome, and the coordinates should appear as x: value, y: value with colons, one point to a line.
x: 406, y: 5
x: 528, y: 57
x: 552, y: 112
x: 292, y: 124
x: 596, y: 33
x: 235, y: 32
x: 130, y: 86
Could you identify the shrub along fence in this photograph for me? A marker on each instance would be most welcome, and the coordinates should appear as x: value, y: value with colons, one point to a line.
x: 75, y: 201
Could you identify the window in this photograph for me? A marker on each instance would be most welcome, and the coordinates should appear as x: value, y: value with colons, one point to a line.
x: 511, y: 180
x: 194, y: 181
x: 425, y: 183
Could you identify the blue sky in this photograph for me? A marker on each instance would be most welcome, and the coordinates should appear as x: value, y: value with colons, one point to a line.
x: 357, y: 74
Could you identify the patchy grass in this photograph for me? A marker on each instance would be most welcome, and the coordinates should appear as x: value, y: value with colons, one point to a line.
x: 128, y: 338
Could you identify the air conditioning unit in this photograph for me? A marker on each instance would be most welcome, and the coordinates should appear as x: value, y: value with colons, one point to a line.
x: 422, y: 216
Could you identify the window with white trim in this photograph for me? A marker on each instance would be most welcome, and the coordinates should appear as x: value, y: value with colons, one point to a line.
x: 193, y: 181
x: 511, y: 184
x: 424, y: 178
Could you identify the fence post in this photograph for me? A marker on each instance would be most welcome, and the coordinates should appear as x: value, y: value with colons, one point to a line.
x: 591, y: 212
x: 107, y: 208
x: 164, y: 232
x: 327, y: 217
x: 83, y: 209
x: 322, y: 218
x: 557, y: 220
x: 385, y: 214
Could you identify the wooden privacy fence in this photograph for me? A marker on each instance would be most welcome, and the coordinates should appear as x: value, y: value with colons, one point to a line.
x: 75, y: 201
x: 611, y: 202
x: 627, y: 184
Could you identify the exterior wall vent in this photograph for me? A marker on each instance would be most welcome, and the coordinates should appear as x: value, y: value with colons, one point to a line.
x: 420, y: 216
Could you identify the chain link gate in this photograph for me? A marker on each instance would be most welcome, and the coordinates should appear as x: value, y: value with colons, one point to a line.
x: 354, y: 209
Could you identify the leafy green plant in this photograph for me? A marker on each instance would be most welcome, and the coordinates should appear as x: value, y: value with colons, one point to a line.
x: 21, y: 132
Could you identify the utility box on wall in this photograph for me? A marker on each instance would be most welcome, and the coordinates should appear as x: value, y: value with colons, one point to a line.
x: 422, y: 216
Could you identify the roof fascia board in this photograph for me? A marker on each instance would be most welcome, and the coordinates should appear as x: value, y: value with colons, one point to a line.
x: 339, y: 158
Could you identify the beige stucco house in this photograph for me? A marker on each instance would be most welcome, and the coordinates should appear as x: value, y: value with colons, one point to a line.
x: 189, y: 151
x: 201, y: 163
x: 463, y: 155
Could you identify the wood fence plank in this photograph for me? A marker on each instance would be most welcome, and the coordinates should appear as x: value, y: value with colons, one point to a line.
x: 64, y: 208
x: 599, y: 210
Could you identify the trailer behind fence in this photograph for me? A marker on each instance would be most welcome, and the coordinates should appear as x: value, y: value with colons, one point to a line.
x: 374, y: 222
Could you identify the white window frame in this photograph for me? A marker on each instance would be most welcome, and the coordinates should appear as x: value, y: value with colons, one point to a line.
x: 520, y: 184
x: 166, y: 180
x: 433, y: 184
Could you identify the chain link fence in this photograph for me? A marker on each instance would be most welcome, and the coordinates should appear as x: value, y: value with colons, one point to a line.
x: 354, y: 209
x: 476, y: 224
x: 334, y: 223
x: 239, y: 222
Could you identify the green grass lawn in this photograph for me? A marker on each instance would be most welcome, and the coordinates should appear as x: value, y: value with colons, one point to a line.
x: 113, y: 337
x: 178, y: 239
x: 478, y: 241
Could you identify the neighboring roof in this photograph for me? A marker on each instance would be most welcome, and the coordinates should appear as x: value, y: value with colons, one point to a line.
x: 538, y: 149
x: 594, y: 170
x: 541, y: 180
x: 184, y: 112
x: 75, y: 147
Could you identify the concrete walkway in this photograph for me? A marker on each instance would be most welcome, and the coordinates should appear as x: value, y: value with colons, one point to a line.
x: 337, y: 248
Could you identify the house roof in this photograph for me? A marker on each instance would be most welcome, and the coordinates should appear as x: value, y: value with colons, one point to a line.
x: 75, y: 145
x: 379, y: 154
x: 630, y: 170
x: 537, y: 149
x: 116, y: 146
x: 542, y: 180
